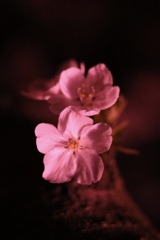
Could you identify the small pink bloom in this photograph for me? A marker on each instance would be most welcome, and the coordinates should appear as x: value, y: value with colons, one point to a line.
x: 71, y: 150
x: 43, y: 90
x: 88, y: 94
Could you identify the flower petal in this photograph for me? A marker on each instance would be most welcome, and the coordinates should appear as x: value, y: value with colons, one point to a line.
x: 106, y: 97
x: 53, y: 90
x: 90, y: 167
x: 59, y: 102
x: 69, y: 63
x: 47, y: 137
x: 71, y: 122
x: 70, y: 80
x: 89, y: 111
x: 98, y: 76
x: 39, y: 89
x: 59, y: 165
x: 97, y: 137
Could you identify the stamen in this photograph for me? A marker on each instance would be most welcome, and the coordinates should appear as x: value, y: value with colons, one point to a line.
x: 86, y: 94
x: 73, y: 144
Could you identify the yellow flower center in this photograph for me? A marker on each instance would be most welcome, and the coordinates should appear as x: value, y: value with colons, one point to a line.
x: 86, y: 94
x: 73, y: 144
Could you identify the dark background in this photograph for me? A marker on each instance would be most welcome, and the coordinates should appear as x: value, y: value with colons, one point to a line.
x: 36, y: 38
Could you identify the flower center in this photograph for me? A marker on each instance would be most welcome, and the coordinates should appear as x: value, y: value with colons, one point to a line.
x: 73, y: 144
x: 86, y: 94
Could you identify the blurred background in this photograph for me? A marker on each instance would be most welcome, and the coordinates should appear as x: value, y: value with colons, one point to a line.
x: 36, y: 38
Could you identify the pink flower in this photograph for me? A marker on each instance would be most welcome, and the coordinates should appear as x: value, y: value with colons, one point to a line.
x: 88, y: 94
x: 71, y: 150
x: 43, y: 90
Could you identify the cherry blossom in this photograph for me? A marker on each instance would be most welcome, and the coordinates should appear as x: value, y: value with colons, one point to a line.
x: 71, y: 150
x: 89, y: 94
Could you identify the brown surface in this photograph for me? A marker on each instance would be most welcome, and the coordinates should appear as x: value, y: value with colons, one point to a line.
x: 103, y: 210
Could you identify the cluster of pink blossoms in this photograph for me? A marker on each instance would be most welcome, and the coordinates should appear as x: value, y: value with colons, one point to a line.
x: 72, y: 149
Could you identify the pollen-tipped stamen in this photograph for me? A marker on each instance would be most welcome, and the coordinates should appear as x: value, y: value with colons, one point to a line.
x: 86, y: 94
x: 73, y: 144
